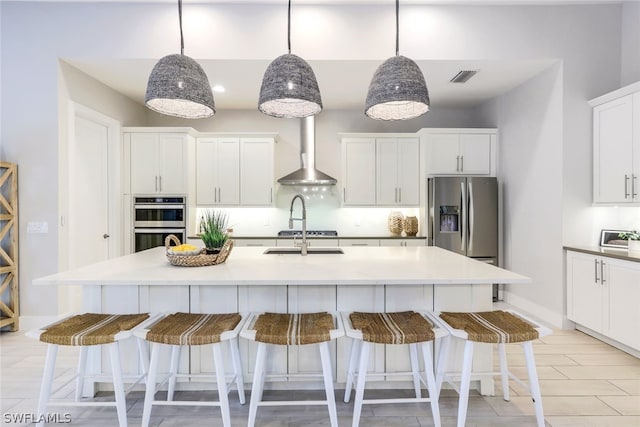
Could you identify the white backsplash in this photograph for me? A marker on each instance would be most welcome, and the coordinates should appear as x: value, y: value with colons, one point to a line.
x: 323, y: 213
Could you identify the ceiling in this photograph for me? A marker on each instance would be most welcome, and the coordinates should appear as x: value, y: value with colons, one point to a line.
x: 343, y: 84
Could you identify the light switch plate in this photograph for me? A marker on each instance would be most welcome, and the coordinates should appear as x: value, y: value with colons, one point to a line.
x: 37, y: 227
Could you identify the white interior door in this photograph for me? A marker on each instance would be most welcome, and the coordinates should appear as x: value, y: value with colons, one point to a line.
x: 88, y: 216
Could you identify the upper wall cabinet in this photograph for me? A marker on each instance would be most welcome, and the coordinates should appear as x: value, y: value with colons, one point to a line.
x: 234, y: 171
x: 616, y: 146
x: 158, y: 162
x: 380, y: 171
x: 460, y: 151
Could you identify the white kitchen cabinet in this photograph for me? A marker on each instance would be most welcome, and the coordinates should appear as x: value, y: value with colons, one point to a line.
x: 616, y: 146
x: 256, y: 171
x: 359, y: 171
x: 234, y: 171
x: 158, y: 162
x: 403, y: 242
x: 459, y: 153
x: 603, y: 295
x: 217, y: 171
x: 397, y: 171
x: 359, y: 242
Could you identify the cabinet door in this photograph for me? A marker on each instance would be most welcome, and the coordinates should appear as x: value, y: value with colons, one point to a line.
x: 408, y: 171
x: 172, y: 156
x: 475, y: 154
x: 586, y: 303
x: 256, y: 171
x: 443, y: 155
x: 359, y: 171
x: 227, y: 166
x: 623, y: 323
x: 206, y: 171
x: 612, y: 151
x: 387, y: 171
x: 144, y: 163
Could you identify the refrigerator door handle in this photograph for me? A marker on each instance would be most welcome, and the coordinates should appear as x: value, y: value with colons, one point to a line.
x: 470, y: 210
x: 463, y: 224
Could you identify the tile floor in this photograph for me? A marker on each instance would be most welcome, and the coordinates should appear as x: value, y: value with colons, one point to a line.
x: 584, y: 383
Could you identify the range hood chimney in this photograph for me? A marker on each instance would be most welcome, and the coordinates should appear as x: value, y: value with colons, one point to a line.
x: 307, y: 174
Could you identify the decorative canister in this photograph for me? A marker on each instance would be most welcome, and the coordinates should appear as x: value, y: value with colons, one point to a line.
x: 394, y: 223
x: 411, y: 226
x: 634, y: 246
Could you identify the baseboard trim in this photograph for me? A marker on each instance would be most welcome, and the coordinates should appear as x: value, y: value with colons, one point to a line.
x: 543, y: 314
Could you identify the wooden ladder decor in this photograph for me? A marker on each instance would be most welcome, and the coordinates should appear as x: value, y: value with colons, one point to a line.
x: 9, y: 304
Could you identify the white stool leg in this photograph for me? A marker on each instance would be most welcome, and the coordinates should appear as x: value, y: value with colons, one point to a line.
x: 173, y: 371
x: 221, y: 380
x: 118, y: 386
x: 441, y: 364
x: 353, y: 359
x: 143, y: 352
x: 362, y: 375
x: 150, y: 392
x: 415, y: 369
x: 327, y: 372
x: 464, y: 383
x: 47, y: 381
x: 431, y: 382
x: 533, y: 382
x: 82, y: 370
x: 237, y: 369
x: 504, y: 372
x: 258, y: 383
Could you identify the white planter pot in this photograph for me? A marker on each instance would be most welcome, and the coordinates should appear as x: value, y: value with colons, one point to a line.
x: 634, y: 245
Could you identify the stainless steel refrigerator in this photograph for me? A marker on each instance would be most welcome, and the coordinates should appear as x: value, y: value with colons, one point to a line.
x: 463, y: 217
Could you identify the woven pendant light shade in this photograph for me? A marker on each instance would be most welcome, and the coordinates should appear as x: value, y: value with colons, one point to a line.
x: 178, y: 86
x: 289, y: 89
x: 397, y: 91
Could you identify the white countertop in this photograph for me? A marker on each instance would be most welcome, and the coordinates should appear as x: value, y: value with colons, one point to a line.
x: 250, y: 266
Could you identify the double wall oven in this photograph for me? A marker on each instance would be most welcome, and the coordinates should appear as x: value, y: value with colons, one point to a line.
x: 154, y: 218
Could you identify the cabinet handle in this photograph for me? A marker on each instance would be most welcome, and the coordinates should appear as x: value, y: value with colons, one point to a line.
x: 395, y: 194
x: 626, y: 186
x: 160, y: 180
x: 633, y: 186
x: 602, y: 272
x: 399, y: 194
x: 271, y: 195
x: 457, y: 163
x: 359, y: 244
x: 344, y: 195
x: 461, y: 163
x: 156, y: 186
x: 219, y: 195
x: 596, y: 271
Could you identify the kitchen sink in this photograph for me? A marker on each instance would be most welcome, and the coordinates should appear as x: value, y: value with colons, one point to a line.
x: 297, y: 251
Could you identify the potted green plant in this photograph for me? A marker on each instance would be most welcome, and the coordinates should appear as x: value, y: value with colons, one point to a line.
x: 213, y: 230
x: 633, y: 239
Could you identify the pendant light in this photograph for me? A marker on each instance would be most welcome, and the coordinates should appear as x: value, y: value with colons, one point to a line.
x: 178, y: 86
x: 398, y: 90
x: 289, y: 87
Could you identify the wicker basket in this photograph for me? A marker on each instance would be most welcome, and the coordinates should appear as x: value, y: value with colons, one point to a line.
x: 411, y: 226
x: 199, y: 260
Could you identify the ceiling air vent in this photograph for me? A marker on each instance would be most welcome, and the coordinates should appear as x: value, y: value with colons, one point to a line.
x: 463, y: 76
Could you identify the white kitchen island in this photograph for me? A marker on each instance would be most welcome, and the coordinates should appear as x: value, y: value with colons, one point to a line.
x: 363, y: 279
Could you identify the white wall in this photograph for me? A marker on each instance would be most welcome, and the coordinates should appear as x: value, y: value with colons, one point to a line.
x: 630, y: 72
x: 32, y: 44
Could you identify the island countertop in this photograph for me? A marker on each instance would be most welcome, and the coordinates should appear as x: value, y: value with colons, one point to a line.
x: 250, y: 266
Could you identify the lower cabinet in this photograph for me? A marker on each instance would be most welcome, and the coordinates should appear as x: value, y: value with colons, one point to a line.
x: 603, y: 295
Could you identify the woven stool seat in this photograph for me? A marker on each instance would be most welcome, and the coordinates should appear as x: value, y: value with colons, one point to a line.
x: 492, y: 326
x: 192, y: 328
x: 405, y: 327
x: 293, y: 329
x: 90, y: 328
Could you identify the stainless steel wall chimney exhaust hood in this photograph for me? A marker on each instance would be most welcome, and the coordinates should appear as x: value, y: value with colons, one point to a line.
x: 307, y: 174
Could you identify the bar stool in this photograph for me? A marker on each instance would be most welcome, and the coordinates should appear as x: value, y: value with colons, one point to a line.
x: 494, y: 327
x: 179, y: 329
x: 269, y: 329
x: 406, y: 328
x: 86, y: 330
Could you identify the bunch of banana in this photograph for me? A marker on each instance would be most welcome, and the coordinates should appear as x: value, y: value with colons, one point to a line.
x: 184, y: 247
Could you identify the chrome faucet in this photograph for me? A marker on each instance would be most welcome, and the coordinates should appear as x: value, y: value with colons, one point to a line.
x: 304, y: 245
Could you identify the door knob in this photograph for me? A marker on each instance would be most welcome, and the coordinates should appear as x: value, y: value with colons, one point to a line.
x: 105, y: 236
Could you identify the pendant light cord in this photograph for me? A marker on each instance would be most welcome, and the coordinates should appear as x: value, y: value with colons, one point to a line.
x: 397, y: 27
x: 181, y: 36
x: 289, y: 27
